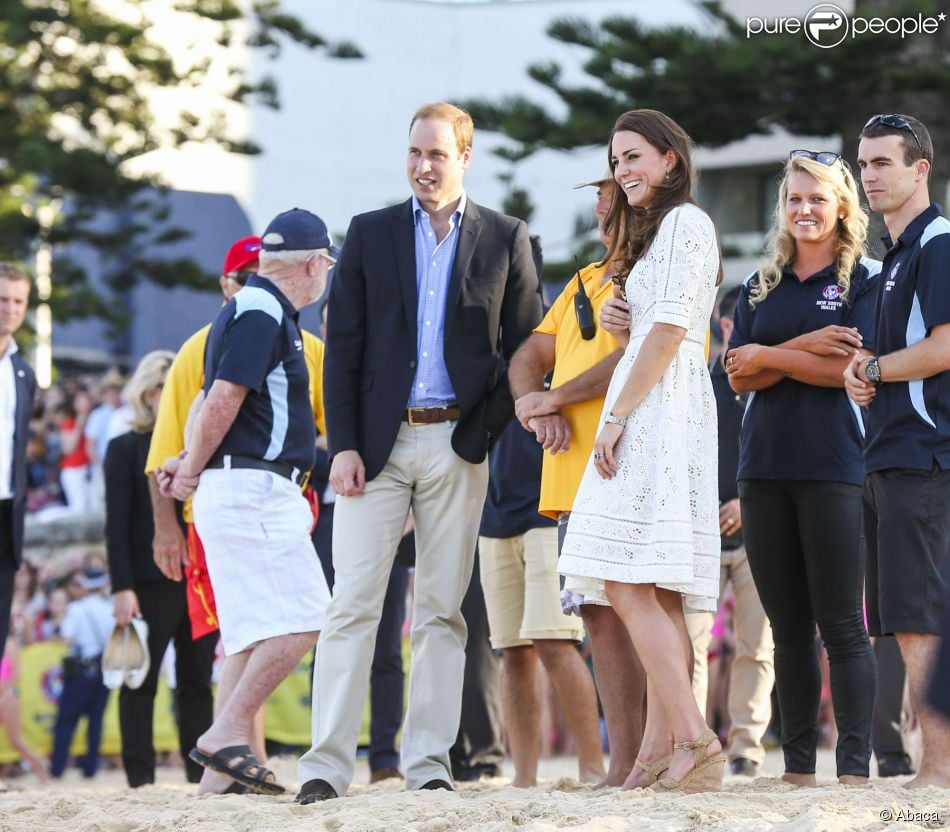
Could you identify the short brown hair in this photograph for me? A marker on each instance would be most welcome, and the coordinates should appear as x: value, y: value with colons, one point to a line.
x: 915, y: 137
x: 8, y: 271
x: 461, y: 121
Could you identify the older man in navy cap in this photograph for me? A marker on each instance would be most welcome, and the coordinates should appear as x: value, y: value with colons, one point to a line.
x: 250, y: 441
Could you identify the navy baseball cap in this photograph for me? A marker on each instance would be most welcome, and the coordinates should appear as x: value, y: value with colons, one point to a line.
x: 296, y: 230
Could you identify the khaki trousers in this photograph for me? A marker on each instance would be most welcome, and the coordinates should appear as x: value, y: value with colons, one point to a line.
x: 753, y: 669
x: 446, y: 495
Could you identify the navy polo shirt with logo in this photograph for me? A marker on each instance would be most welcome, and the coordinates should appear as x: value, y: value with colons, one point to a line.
x: 908, y: 422
x: 793, y: 430
x: 255, y: 342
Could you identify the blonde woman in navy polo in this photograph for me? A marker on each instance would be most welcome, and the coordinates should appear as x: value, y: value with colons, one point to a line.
x: 799, y: 321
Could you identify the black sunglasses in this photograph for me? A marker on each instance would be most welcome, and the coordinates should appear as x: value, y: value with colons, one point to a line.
x: 823, y: 157
x: 241, y: 277
x: 897, y: 122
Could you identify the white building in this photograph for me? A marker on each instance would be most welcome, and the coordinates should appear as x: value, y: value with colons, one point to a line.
x: 338, y: 144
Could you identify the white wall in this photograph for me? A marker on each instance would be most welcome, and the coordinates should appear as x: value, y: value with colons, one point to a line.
x: 338, y: 144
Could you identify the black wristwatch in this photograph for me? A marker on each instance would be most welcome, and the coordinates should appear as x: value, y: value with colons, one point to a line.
x: 872, y: 370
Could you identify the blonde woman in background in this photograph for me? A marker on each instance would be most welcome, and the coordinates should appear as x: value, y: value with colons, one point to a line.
x: 139, y: 589
x: 799, y: 321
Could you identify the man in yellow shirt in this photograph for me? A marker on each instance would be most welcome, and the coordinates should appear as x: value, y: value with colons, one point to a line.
x: 176, y: 555
x: 565, y: 420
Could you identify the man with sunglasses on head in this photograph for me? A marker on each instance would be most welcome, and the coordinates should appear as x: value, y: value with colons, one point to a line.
x: 180, y: 554
x: 905, y: 389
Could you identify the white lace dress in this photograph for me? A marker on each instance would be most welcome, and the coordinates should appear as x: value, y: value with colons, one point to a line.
x: 657, y: 520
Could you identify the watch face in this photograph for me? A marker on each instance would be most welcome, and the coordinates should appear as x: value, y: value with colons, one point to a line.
x: 872, y: 371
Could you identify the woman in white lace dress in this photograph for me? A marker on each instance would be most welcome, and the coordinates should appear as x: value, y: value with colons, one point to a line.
x: 644, y: 531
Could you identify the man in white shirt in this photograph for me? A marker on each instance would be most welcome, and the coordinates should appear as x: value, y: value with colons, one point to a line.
x: 17, y: 386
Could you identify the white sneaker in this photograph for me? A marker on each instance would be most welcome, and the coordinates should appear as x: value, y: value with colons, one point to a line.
x: 136, y: 668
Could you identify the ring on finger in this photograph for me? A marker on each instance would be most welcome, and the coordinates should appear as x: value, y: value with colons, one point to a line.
x: 598, y: 455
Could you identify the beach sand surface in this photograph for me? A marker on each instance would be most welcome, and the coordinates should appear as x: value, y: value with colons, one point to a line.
x: 559, y: 802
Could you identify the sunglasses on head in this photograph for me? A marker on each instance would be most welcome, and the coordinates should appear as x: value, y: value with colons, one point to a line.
x: 823, y: 157
x: 897, y: 122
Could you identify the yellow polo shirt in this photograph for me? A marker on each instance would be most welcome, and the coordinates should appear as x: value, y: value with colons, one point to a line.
x: 561, y: 473
x: 185, y: 379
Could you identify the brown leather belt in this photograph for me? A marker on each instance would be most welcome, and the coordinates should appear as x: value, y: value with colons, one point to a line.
x: 431, y: 415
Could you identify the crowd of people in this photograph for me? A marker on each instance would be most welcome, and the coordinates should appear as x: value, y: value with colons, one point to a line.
x: 72, y: 422
x: 803, y: 467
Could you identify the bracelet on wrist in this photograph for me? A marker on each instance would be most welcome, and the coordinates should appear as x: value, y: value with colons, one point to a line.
x: 616, y: 420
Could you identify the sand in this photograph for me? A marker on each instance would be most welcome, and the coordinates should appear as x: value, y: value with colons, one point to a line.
x: 558, y: 803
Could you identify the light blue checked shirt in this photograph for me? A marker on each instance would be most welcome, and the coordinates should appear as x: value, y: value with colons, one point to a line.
x: 431, y: 386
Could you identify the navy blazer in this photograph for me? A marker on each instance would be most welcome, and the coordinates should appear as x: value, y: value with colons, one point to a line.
x: 25, y: 382
x: 493, y: 304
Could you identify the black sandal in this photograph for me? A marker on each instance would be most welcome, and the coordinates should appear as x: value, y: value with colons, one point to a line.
x: 239, y: 763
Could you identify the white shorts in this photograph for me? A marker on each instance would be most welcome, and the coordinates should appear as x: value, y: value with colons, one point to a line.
x: 266, y: 577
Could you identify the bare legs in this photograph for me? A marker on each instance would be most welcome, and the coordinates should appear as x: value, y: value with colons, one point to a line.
x: 10, y: 720
x: 575, y: 691
x: 622, y: 685
x: 247, y: 679
x: 657, y: 628
x: 521, y: 702
x: 920, y: 652
x: 521, y: 706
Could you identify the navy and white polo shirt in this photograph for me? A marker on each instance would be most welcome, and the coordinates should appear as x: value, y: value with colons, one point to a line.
x: 793, y: 430
x: 908, y: 423
x: 255, y: 342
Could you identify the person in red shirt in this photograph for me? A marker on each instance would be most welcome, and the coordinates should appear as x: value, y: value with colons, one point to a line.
x: 75, y: 474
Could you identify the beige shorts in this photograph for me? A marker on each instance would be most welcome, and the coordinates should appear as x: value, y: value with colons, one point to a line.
x: 522, y: 589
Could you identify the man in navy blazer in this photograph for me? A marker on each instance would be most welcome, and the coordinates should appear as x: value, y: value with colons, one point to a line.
x: 427, y: 295
x: 17, y: 386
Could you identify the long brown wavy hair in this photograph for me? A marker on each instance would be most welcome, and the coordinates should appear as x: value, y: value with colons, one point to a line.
x: 633, y: 229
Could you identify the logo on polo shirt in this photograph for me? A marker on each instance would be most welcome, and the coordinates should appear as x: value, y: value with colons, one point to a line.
x: 298, y: 344
x: 830, y: 298
x: 892, y: 277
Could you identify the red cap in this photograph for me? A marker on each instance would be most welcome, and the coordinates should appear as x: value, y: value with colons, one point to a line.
x: 245, y: 251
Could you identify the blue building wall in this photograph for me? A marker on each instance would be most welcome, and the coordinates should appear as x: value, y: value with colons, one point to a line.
x: 162, y: 318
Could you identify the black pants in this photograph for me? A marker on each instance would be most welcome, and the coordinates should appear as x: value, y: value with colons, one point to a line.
x: 8, y: 570
x: 803, y: 539
x: 83, y: 695
x: 885, y: 734
x: 164, y: 608
x: 480, y: 745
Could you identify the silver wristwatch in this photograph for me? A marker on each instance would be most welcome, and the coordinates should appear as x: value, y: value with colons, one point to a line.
x: 615, y: 420
x: 872, y: 370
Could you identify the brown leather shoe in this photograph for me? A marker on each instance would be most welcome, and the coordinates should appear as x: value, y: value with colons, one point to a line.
x: 385, y: 773
x: 313, y: 791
